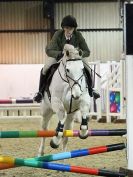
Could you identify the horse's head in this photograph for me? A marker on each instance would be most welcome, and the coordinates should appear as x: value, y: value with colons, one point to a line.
x: 71, y: 53
x: 74, y: 70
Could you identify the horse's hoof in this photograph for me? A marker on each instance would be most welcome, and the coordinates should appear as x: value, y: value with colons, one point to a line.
x: 53, y: 145
x: 83, y: 136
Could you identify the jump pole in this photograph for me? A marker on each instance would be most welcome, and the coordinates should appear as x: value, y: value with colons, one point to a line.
x: 81, y: 152
x: 60, y: 167
x: 6, y: 166
x: 66, y: 133
x: 17, y: 101
x: 66, y: 155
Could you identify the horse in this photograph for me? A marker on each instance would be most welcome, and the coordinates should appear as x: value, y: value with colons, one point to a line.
x: 69, y: 98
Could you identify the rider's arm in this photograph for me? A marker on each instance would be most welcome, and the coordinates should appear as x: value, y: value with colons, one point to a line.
x: 53, y: 49
x: 83, y: 45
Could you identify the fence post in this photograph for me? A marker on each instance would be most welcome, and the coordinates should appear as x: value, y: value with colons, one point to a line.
x: 129, y: 78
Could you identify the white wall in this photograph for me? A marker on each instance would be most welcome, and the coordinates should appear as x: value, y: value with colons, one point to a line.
x: 17, y: 81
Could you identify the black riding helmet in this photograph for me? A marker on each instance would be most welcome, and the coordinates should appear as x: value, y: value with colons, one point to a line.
x: 69, y: 21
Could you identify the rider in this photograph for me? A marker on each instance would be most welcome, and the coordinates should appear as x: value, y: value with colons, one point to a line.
x: 68, y: 34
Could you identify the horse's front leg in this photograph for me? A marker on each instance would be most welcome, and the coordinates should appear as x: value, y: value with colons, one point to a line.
x: 45, y: 124
x: 84, y: 107
x: 46, y: 113
x: 42, y: 144
x: 61, y: 113
x: 68, y: 126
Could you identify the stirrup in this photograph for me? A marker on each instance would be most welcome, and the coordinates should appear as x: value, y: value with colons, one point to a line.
x: 38, y: 97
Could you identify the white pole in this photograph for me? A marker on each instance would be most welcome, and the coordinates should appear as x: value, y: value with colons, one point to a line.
x: 108, y: 117
x: 121, y: 91
x: 99, y: 109
x: 129, y: 76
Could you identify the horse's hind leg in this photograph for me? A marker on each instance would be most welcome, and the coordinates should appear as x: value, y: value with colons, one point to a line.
x: 45, y: 122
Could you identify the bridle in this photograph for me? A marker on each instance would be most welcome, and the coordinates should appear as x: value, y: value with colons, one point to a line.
x: 75, y: 82
x: 68, y: 78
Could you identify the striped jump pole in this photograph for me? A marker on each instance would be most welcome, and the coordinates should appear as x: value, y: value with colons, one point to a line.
x: 17, y: 101
x: 74, y: 154
x: 81, y: 152
x: 4, y: 166
x: 59, y: 167
x: 66, y: 133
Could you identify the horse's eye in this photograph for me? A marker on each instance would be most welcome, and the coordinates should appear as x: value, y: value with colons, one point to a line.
x: 67, y: 70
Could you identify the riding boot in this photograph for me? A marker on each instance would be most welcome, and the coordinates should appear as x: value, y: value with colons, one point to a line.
x: 92, y: 92
x: 42, y: 84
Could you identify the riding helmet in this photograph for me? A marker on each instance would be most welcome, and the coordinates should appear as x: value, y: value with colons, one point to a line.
x: 69, y: 21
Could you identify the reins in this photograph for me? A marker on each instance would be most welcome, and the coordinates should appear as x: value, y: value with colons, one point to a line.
x: 67, y: 81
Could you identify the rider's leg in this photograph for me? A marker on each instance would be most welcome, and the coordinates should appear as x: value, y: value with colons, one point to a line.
x: 42, y: 83
x: 90, y: 80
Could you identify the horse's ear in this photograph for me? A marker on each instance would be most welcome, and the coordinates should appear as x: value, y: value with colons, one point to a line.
x: 67, y: 53
x: 80, y: 52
